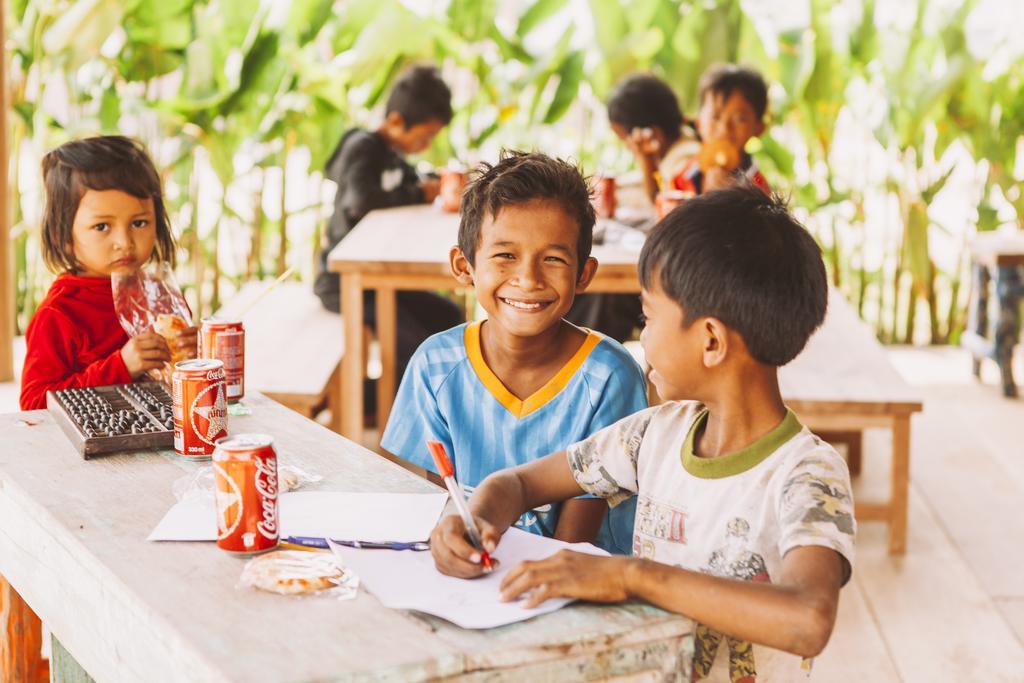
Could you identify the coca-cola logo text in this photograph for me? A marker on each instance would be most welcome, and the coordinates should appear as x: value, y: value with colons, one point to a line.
x: 266, y: 485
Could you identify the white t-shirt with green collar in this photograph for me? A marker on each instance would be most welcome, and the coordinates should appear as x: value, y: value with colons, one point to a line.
x: 735, y: 516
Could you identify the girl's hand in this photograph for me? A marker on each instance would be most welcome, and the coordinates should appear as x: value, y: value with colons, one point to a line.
x: 187, y: 340
x: 148, y: 351
x: 568, y: 574
x: 645, y: 147
x: 453, y: 554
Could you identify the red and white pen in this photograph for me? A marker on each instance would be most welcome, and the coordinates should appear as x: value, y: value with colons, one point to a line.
x: 447, y: 472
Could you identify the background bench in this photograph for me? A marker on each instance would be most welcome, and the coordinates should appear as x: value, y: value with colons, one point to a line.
x: 293, y: 346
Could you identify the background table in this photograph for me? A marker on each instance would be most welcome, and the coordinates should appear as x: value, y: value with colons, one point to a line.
x: 72, y: 544
x: 841, y: 384
x: 997, y: 262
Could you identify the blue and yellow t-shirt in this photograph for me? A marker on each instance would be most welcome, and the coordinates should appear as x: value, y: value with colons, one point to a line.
x: 448, y: 393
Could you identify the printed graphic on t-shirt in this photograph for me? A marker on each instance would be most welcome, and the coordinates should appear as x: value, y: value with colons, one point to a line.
x: 390, y: 179
x: 659, y: 520
x: 829, y: 503
x: 735, y: 560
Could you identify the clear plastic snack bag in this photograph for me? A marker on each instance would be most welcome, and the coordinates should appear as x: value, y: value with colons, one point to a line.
x: 300, y: 572
x: 199, y: 484
x: 149, y: 299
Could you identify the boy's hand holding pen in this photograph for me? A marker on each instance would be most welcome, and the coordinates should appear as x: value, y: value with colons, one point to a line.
x: 461, y: 544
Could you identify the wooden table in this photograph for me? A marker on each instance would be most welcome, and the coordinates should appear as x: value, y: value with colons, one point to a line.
x: 407, y: 248
x: 843, y: 383
x: 996, y: 258
x: 72, y: 543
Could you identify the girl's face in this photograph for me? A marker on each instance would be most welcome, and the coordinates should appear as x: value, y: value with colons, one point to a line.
x: 112, y: 231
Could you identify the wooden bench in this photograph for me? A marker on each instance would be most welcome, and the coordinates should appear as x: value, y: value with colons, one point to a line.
x: 996, y: 258
x: 293, y: 346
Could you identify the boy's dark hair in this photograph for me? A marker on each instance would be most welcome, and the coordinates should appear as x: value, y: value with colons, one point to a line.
x: 725, y: 79
x: 108, y: 162
x: 420, y: 95
x: 646, y: 101
x: 739, y: 256
x: 520, y: 177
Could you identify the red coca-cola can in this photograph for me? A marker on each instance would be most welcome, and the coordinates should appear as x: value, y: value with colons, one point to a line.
x: 225, y: 341
x: 245, y: 486
x: 200, y: 406
x: 453, y: 183
x: 604, y: 196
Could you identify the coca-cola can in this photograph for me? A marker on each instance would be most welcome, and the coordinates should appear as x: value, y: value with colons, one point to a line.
x: 453, y: 183
x: 200, y: 406
x: 246, y: 489
x: 604, y: 196
x: 225, y: 341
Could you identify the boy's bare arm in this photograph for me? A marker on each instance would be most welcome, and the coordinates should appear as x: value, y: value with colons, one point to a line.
x: 496, y: 504
x: 796, y: 614
x: 580, y: 519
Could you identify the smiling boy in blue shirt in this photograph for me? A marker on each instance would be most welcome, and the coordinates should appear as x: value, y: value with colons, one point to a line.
x: 524, y: 382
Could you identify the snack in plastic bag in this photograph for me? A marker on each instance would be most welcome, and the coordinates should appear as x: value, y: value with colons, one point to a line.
x: 299, y: 572
x: 149, y: 299
x: 199, y: 484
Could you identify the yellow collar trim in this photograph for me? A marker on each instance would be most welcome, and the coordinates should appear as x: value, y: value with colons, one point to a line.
x: 540, y: 398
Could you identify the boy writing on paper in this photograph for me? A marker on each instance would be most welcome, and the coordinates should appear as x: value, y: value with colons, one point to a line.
x: 745, y: 519
x: 523, y: 382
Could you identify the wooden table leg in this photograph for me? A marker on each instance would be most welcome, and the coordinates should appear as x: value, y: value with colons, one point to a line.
x: 350, y: 388
x: 977, y: 311
x: 1008, y: 290
x: 899, y: 497
x: 387, y: 338
x: 66, y: 668
x: 21, y: 640
x: 854, y: 442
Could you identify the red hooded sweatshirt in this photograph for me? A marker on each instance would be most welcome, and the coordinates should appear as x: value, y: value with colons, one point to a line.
x: 74, y: 340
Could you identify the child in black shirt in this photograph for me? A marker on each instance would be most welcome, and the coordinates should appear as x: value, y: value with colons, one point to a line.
x: 371, y: 172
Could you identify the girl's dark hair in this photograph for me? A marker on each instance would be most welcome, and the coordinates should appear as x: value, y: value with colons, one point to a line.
x: 722, y: 80
x: 520, y: 177
x: 108, y: 162
x: 646, y: 101
x: 740, y: 256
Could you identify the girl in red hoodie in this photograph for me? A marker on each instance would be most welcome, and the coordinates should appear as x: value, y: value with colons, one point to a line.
x: 104, y: 213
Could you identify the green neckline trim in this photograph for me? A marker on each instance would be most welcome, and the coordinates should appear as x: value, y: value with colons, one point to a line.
x: 743, y: 459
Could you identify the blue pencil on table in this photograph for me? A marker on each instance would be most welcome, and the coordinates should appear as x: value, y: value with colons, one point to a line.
x: 315, y: 542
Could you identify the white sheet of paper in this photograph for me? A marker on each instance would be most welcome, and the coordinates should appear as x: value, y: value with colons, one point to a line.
x: 324, y: 514
x: 403, y: 579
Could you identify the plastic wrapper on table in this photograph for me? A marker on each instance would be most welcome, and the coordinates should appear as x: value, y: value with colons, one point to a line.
x: 199, y: 483
x: 300, y: 572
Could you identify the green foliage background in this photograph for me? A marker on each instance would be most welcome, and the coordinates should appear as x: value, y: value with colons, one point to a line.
x: 239, y: 100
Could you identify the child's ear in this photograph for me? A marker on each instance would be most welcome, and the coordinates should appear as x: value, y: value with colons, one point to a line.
x: 589, y: 270
x: 460, y: 267
x: 759, y: 128
x: 715, y: 339
x: 395, y: 120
